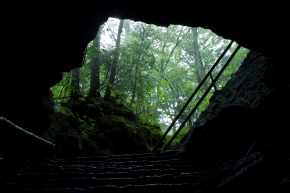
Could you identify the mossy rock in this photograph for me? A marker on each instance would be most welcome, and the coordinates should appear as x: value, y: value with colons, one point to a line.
x: 70, y: 146
x: 116, y: 131
x: 117, y: 123
x: 106, y: 152
x: 67, y: 124
x: 89, y: 148
x: 124, y: 112
x: 101, y: 137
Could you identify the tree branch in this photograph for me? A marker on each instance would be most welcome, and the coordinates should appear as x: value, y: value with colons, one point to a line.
x: 176, y: 44
x: 113, y: 34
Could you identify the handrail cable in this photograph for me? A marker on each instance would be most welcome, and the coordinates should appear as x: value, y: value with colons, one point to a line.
x: 191, y: 97
x: 212, y: 80
x: 27, y: 132
x: 201, y: 99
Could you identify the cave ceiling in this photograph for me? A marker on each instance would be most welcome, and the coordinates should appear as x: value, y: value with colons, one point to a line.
x: 42, y: 39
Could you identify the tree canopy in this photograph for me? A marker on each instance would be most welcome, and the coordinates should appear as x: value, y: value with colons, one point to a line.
x: 151, y: 70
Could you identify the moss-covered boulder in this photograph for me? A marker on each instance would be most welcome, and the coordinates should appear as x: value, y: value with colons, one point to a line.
x: 98, y: 127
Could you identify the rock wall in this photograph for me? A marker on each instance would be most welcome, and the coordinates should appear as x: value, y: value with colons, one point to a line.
x: 242, y: 140
x: 46, y: 38
x: 248, y: 87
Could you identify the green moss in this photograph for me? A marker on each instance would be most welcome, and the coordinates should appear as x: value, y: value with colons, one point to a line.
x: 115, y: 131
x: 101, y: 137
x: 149, y: 148
x: 114, y: 124
x: 184, y: 130
x: 106, y: 152
x: 89, y: 148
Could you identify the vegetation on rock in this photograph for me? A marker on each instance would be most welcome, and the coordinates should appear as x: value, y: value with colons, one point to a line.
x: 103, y: 128
x: 134, y: 80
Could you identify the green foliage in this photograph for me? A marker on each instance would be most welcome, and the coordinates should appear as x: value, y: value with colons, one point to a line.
x: 183, y: 131
x: 87, y: 125
x: 157, y: 70
x: 66, y: 110
x: 62, y: 90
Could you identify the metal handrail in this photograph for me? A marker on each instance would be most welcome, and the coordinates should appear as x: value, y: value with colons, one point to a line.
x: 27, y: 132
x: 212, y: 80
x: 191, y: 97
x: 201, y: 99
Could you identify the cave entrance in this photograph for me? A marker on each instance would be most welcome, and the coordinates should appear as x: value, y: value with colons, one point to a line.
x: 147, y: 69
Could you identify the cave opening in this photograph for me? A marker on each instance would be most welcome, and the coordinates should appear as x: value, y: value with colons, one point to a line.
x: 157, y: 70
x: 239, y: 143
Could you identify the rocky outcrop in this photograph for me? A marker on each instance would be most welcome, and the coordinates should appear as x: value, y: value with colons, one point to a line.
x: 246, y: 88
x: 242, y: 139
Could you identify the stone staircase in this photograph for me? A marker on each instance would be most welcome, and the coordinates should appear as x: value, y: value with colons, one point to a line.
x: 142, y: 172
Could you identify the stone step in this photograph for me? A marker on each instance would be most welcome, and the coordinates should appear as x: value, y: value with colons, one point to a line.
x: 142, y: 188
x: 89, y: 174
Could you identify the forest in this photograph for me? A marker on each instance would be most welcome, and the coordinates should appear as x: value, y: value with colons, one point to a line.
x: 147, y: 71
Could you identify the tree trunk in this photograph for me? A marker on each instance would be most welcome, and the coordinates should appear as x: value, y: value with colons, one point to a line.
x: 75, y: 83
x: 127, y: 38
x: 95, y: 68
x: 115, y: 62
x: 135, y: 82
x: 197, y: 57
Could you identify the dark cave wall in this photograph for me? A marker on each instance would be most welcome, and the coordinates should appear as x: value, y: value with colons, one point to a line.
x: 242, y: 139
x: 42, y: 39
x: 259, y: 87
x: 245, y: 88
